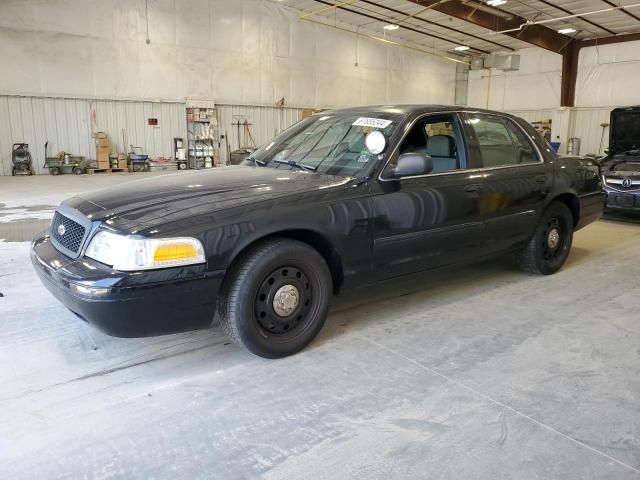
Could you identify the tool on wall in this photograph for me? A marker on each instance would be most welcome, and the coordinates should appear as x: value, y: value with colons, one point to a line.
x: 46, y: 148
x: 245, y: 138
x: 604, y: 129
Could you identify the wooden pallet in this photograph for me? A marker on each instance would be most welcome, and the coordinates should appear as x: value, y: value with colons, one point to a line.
x: 91, y: 171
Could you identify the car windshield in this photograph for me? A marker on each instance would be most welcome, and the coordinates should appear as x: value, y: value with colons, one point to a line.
x: 333, y: 143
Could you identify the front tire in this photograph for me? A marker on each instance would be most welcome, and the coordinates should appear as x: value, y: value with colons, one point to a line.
x: 276, y: 298
x: 550, y: 244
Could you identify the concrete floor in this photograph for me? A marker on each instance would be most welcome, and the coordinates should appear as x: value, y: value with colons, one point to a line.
x: 481, y: 373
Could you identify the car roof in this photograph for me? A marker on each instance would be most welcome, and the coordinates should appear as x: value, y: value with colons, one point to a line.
x: 412, y: 109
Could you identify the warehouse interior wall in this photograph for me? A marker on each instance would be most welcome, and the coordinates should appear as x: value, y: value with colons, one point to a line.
x: 242, y: 52
x: 608, y: 75
x: 536, y: 85
x: 607, y: 78
x: 75, y: 67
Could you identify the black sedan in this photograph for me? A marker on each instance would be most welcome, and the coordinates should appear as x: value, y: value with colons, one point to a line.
x: 341, y: 199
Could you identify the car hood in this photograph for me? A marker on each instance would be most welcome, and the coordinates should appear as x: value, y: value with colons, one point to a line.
x: 625, y: 167
x: 150, y: 202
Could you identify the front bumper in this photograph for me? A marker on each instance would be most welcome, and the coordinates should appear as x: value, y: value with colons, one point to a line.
x: 621, y: 200
x: 128, y: 304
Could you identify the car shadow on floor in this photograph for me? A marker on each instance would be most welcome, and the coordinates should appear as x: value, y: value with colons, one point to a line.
x: 432, y: 289
x: 621, y: 217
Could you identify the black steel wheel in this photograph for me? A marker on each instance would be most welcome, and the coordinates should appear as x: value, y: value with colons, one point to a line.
x: 550, y: 245
x: 276, y: 297
x: 54, y: 171
x: 283, y: 300
x: 13, y: 172
x: 77, y: 170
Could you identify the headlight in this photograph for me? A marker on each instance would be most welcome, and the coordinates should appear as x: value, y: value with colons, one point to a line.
x: 128, y: 253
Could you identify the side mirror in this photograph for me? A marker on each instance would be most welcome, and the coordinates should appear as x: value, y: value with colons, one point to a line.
x: 410, y: 164
x: 606, y: 151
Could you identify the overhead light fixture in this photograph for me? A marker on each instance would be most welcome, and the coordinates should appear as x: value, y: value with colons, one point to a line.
x: 496, y: 3
x: 391, y: 26
x: 462, y: 48
x: 566, y: 31
x: 484, y: 7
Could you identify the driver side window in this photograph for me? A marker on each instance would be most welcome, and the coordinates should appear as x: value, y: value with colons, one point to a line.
x: 437, y: 138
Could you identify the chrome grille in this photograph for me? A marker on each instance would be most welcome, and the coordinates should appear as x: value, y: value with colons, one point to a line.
x: 622, y: 183
x: 67, y: 233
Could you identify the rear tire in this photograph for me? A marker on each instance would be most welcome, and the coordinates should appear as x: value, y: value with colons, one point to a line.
x: 550, y: 244
x: 54, y: 171
x: 276, y: 298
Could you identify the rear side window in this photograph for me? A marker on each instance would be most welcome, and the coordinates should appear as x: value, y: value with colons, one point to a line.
x: 501, y: 142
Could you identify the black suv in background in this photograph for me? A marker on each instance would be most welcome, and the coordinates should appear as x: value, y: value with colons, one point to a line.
x: 621, y: 166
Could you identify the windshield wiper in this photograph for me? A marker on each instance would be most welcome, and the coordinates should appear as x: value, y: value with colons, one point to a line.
x: 256, y: 161
x: 299, y: 165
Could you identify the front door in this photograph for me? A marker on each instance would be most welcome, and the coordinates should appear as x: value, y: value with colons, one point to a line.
x: 427, y: 220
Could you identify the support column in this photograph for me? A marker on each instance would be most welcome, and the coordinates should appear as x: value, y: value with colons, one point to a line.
x: 569, y: 74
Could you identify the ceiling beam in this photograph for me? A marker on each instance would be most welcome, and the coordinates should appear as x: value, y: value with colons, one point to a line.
x: 468, y: 11
x: 631, y: 37
x: 584, y: 19
x: 624, y: 10
x: 436, y: 24
x: 385, y: 20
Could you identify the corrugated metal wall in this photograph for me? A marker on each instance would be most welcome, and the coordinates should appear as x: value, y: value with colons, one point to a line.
x: 265, y: 123
x: 587, y: 127
x: 560, y: 121
x: 584, y: 123
x: 69, y: 125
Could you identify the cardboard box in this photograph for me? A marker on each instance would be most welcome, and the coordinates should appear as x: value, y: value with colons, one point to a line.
x: 103, y: 164
x: 122, y: 164
x: 102, y: 140
x: 102, y: 156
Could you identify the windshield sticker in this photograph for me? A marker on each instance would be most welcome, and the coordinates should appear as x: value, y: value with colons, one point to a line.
x: 372, y: 122
x: 363, y: 158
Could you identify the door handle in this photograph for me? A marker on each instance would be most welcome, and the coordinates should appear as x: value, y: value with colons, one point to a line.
x: 541, y: 180
x: 472, y: 188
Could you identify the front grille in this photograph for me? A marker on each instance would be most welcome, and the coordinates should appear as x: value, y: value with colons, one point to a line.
x: 67, y: 233
x: 622, y: 183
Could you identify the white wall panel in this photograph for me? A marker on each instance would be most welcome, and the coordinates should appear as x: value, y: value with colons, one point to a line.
x: 235, y: 52
x: 608, y: 75
x: 69, y: 125
x: 536, y: 85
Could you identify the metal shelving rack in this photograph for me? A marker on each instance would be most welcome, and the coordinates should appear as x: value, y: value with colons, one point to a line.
x: 202, y: 138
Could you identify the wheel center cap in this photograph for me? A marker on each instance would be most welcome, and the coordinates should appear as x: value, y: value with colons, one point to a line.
x: 286, y: 300
x: 554, y: 238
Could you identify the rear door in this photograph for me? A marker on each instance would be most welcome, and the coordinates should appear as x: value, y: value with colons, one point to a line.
x: 424, y: 221
x: 516, y: 179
